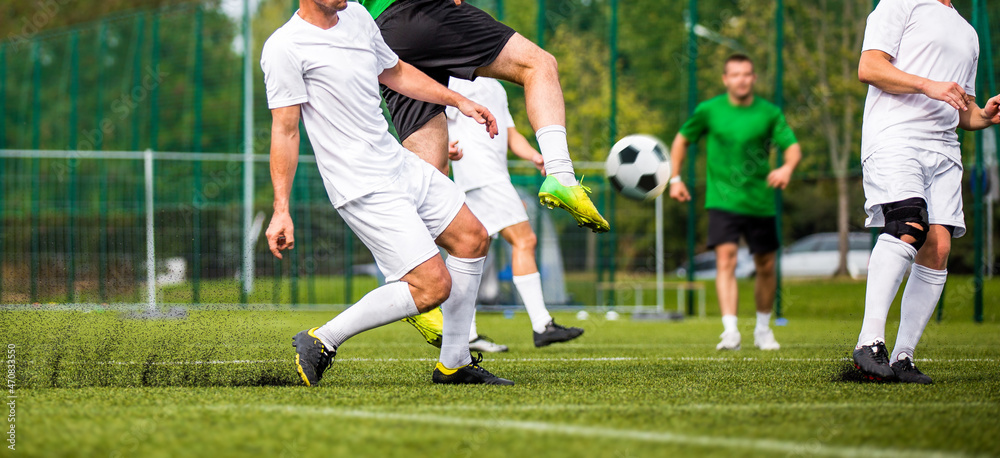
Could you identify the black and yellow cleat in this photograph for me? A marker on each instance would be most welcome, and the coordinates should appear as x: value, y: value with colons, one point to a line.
x: 311, y: 356
x: 575, y: 200
x: 470, y: 374
x: 430, y: 325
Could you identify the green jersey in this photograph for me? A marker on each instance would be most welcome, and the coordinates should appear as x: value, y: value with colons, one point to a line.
x: 376, y: 7
x: 738, y: 152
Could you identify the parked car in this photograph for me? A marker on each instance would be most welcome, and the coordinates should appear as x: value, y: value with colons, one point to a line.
x: 817, y: 255
x: 812, y: 256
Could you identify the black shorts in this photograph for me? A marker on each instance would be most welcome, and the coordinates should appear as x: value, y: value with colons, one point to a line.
x: 442, y: 40
x: 760, y: 232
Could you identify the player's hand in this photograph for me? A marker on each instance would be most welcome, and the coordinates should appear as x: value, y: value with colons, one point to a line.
x: 539, y: 162
x: 458, y: 2
x: 454, y: 152
x: 480, y: 114
x: 992, y: 110
x: 779, y: 177
x: 280, y: 233
x: 949, y: 92
x: 679, y: 192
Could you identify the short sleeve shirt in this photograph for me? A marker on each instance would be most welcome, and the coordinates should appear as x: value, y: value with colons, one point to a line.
x: 927, y: 39
x: 333, y: 76
x: 738, y: 152
x: 484, y: 159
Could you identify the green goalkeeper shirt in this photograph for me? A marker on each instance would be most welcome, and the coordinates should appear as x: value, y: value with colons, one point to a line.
x: 376, y: 7
x: 738, y: 148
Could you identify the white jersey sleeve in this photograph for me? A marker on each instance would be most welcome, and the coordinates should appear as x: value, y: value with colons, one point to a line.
x: 384, y: 55
x: 507, y: 116
x: 970, y: 82
x: 886, y: 25
x: 283, y: 80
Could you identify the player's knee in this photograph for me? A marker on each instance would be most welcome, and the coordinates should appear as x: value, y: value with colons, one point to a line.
x: 528, y: 241
x: 478, y: 241
x: 433, y: 294
x: 907, y: 218
x: 765, y: 266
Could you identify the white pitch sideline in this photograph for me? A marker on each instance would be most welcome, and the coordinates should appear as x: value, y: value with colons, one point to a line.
x: 528, y: 360
x: 663, y: 437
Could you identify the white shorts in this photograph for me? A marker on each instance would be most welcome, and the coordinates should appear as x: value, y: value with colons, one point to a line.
x: 400, y: 222
x: 892, y: 175
x: 497, y: 206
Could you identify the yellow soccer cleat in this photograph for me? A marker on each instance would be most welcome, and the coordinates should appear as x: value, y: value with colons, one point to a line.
x: 430, y: 325
x: 575, y: 200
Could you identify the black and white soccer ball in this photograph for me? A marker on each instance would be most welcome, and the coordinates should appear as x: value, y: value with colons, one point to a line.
x: 639, y: 167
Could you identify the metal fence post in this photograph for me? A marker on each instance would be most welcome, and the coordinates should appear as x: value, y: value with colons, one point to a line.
x: 36, y: 109
x: 779, y: 197
x: 692, y: 103
x: 102, y: 269
x: 198, y: 196
x: 3, y: 145
x: 74, y: 95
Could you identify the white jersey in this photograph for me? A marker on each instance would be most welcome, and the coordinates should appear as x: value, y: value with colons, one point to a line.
x: 485, y: 159
x: 333, y: 75
x: 927, y: 39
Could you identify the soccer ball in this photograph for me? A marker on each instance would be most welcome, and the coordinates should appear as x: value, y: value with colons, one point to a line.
x: 639, y: 167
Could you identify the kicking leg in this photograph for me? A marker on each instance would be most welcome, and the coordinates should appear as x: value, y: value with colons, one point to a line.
x: 522, y: 62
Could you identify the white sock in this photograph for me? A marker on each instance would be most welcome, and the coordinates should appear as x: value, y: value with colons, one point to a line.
x: 888, y: 263
x: 381, y: 306
x: 763, y: 322
x: 555, y: 151
x: 923, y: 289
x: 473, y: 334
x: 729, y: 323
x: 530, y: 288
x: 459, y: 309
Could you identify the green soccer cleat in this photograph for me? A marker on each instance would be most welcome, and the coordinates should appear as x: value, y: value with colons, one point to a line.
x: 311, y: 356
x: 575, y: 200
x: 430, y: 325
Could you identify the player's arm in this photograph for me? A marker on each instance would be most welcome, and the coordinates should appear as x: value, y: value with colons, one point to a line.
x: 876, y: 69
x: 284, y: 160
x: 980, y: 118
x: 522, y: 149
x: 779, y: 177
x: 413, y: 83
x: 678, y: 149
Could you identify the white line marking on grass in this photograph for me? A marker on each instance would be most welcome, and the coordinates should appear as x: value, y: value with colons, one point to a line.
x: 703, y: 407
x: 768, y: 445
x: 530, y: 360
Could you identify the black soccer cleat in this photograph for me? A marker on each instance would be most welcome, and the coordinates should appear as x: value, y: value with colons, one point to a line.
x: 873, y: 361
x: 311, y: 356
x: 470, y: 374
x: 907, y: 372
x: 555, y: 333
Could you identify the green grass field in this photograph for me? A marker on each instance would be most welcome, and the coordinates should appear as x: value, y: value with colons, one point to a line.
x: 221, y: 383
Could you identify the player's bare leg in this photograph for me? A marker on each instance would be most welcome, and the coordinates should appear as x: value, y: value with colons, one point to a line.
x: 524, y: 63
x: 765, y: 289
x: 728, y: 292
x: 430, y: 142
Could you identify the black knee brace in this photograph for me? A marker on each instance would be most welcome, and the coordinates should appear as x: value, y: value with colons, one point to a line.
x: 898, y: 214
